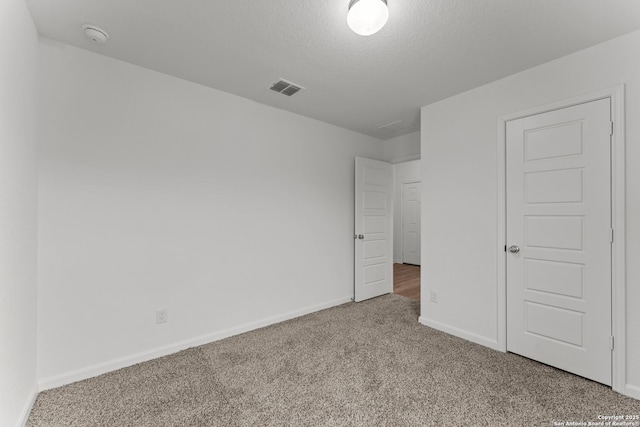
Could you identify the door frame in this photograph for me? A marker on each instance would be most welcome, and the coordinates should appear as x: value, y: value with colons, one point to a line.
x: 409, y: 181
x: 618, y: 213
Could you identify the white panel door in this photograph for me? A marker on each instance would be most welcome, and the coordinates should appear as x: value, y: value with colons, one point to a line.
x: 559, y: 217
x: 411, y: 223
x: 373, y: 229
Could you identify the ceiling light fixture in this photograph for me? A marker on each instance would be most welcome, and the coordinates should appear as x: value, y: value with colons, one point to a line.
x: 367, y: 17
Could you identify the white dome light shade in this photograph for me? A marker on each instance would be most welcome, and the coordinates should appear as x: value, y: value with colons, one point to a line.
x: 367, y: 17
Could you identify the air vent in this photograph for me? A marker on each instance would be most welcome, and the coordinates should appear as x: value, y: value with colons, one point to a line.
x: 286, y: 88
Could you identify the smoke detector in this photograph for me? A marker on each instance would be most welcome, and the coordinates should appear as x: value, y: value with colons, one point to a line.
x: 95, y: 34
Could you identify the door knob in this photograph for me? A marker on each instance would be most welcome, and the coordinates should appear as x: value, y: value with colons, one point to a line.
x: 514, y: 249
x: 360, y: 236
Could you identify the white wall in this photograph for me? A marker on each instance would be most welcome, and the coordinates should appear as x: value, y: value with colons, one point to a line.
x: 155, y: 192
x: 402, y: 148
x: 402, y: 172
x: 459, y: 163
x: 18, y: 69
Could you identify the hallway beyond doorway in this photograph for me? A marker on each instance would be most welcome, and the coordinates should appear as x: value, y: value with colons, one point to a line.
x: 406, y: 280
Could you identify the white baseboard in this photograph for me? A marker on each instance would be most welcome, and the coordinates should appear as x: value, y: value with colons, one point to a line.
x: 632, y: 391
x: 26, y: 411
x: 460, y: 333
x: 112, y: 365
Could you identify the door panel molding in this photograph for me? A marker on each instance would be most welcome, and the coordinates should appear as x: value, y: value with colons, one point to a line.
x: 618, y: 216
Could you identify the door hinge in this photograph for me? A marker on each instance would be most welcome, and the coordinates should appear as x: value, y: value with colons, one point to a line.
x: 505, y: 248
x: 611, y: 132
x: 611, y: 235
x: 611, y: 343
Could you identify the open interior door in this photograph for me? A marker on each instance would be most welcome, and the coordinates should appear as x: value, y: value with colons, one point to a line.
x: 373, y: 229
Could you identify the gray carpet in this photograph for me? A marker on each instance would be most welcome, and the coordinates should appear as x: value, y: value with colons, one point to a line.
x: 366, y: 364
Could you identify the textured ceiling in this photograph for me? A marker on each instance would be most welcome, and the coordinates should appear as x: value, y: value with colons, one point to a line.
x: 429, y: 49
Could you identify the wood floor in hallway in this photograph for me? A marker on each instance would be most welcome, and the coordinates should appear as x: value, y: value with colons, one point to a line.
x: 406, y: 280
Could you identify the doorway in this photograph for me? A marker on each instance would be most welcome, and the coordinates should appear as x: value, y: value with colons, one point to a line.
x: 379, y: 224
x: 406, y: 274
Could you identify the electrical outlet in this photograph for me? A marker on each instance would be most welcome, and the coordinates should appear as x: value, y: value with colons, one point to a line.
x: 162, y: 315
x: 433, y: 296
